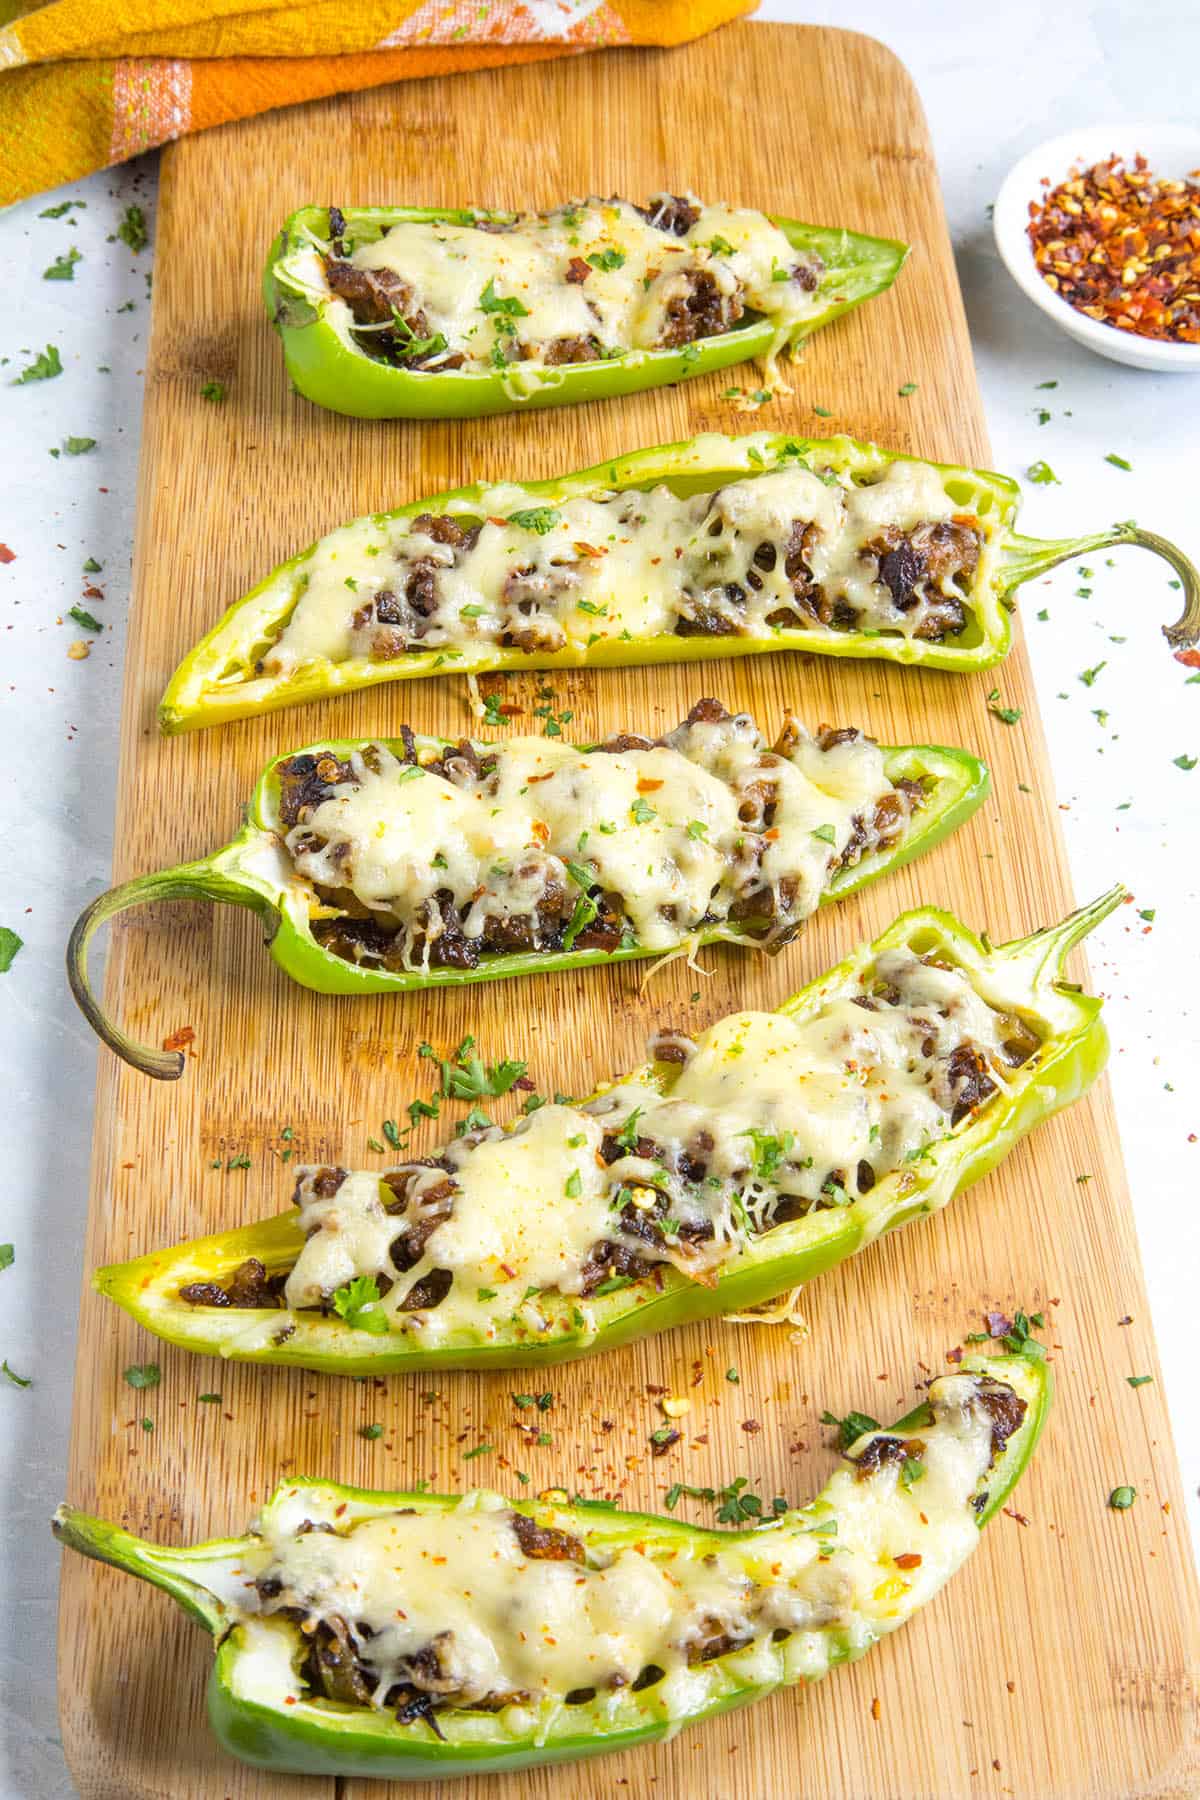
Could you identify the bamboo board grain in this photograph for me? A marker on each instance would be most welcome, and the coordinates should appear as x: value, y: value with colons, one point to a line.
x: 1062, y: 1662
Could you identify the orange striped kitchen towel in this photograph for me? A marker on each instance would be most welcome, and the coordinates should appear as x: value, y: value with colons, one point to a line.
x: 87, y: 83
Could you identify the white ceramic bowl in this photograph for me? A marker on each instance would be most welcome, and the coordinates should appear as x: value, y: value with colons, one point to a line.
x: 1172, y: 150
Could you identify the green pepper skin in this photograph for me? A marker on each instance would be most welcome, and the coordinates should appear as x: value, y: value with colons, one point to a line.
x: 253, y: 871
x: 1024, y: 977
x: 217, y: 681
x: 327, y: 366
x: 320, y: 1737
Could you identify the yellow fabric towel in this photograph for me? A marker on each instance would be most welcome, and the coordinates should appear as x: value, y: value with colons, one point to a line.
x: 81, y: 88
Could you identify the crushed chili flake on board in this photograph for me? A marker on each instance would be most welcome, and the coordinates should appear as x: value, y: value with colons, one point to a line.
x: 1122, y: 245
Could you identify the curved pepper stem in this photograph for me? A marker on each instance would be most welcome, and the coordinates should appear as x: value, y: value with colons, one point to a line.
x: 1048, y: 949
x: 120, y: 1549
x: 190, y: 881
x: 1025, y: 557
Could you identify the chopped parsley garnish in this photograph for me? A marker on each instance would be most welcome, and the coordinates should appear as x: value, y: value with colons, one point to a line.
x: 63, y: 267
x: 17, y: 1380
x: 912, y: 1470
x: 1135, y: 1381
x: 851, y: 1427
x: 607, y: 259
x: 1184, y: 762
x: 7, y: 1256
x: 1122, y: 1498
x: 479, y: 1450
x: 642, y: 813
x: 492, y: 714
x: 826, y: 833
x: 358, y: 1304
x: 1118, y: 462
x: 574, y: 1185
x: 1088, y: 676
x: 64, y: 206
x: 1041, y: 474
x: 910, y: 387
x: 214, y: 391
x: 370, y: 1431
x: 769, y: 1151
x: 83, y: 617
x: 509, y: 307
x: 536, y: 518
x: 697, y: 829
x: 476, y: 1120
x: 1007, y: 715
x: 10, y: 943
x: 132, y: 229
x: 209, y: 1399
x: 582, y: 915
x: 143, y: 1375
x: 627, y: 1137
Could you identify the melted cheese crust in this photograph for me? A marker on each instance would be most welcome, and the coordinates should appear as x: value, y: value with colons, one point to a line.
x: 768, y: 1118
x: 462, y: 275
x: 622, y: 566
x: 677, y: 831
x: 456, y: 1586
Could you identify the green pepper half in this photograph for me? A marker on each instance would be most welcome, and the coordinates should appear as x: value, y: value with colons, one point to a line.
x: 219, y: 680
x: 1024, y: 978
x: 262, y: 1711
x: 255, y: 871
x: 326, y: 364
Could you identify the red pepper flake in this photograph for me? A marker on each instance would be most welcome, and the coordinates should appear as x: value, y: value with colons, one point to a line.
x: 875, y: 1709
x: 909, y: 1560
x: 1122, y: 246
x: 1009, y: 1513
x: 179, y: 1040
x: 1189, y: 658
x: 7, y: 555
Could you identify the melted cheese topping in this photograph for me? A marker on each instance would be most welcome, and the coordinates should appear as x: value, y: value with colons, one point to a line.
x: 497, y: 295
x: 768, y: 1118
x: 677, y: 833
x: 635, y: 566
x: 447, y: 1601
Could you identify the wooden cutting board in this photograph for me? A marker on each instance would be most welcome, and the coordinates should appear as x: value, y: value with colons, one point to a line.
x: 1062, y: 1661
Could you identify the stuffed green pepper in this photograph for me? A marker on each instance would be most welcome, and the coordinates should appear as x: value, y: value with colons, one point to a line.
x: 419, y: 1635
x: 408, y: 863
x: 728, y: 1170
x: 408, y: 312
x: 715, y: 548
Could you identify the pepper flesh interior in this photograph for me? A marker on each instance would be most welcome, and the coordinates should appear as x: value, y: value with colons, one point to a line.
x: 532, y: 844
x: 413, y: 1633
x: 763, y: 1120
x: 585, y: 282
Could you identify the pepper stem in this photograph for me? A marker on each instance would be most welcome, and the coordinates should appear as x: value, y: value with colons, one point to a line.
x: 1025, y: 557
x: 120, y: 1549
x: 1052, y: 945
x: 190, y: 881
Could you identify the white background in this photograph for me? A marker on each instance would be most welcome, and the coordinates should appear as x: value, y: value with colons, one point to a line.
x: 995, y: 82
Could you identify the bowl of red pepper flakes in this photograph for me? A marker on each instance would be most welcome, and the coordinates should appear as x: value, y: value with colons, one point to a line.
x: 1106, y: 241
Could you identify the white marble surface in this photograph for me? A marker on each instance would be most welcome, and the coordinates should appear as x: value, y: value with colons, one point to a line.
x: 993, y: 87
